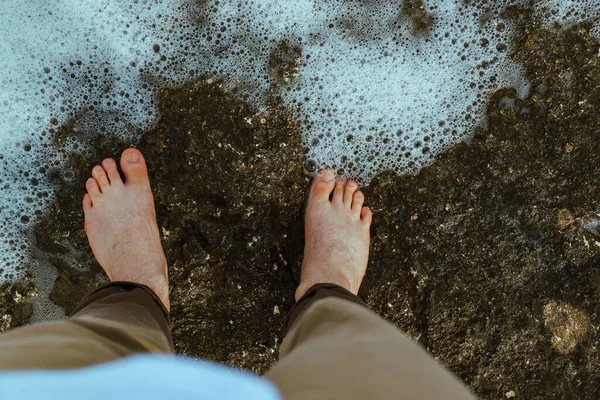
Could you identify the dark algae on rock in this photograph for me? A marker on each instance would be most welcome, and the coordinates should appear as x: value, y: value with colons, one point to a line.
x: 14, y: 303
x: 488, y: 257
x: 229, y: 188
x: 415, y: 11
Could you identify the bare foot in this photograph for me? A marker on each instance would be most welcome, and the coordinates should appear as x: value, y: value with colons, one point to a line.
x: 337, y: 235
x: 120, y: 223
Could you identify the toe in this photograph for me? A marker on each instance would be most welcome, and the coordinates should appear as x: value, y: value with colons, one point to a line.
x: 93, y: 189
x: 349, y: 190
x: 134, y: 167
x: 322, y: 186
x: 99, y: 175
x: 357, y: 202
x: 110, y: 166
x: 366, y: 215
x: 338, y: 193
x: 87, y: 202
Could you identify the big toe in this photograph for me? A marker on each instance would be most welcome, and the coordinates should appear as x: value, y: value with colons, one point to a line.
x: 322, y: 186
x: 134, y: 167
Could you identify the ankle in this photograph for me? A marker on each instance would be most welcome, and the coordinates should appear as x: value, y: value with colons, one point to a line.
x: 158, y: 284
x: 161, y: 291
x: 340, y: 280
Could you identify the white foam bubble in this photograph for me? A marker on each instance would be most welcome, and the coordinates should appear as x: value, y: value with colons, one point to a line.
x: 369, y: 92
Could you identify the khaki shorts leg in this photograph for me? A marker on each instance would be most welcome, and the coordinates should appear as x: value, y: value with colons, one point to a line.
x: 338, y: 349
x: 115, y: 321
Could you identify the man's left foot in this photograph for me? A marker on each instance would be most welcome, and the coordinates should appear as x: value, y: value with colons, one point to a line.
x: 120, y: 222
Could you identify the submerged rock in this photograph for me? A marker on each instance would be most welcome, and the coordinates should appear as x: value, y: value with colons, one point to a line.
x: 15, y: 305
x: 479, y: 256
x: 229, y: 187
x: 568, y: 325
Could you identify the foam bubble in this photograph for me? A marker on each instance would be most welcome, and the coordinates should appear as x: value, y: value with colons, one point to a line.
x: 372, y: 84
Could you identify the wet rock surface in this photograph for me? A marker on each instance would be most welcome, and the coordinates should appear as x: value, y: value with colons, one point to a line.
x: 415, y: 11
x: 471, y: 255
x: 15, y: 306
x: 567, y: 324
x: 483, y: 258
x: 229, y: 190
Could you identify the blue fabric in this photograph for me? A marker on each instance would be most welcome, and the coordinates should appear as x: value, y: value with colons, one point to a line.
x: 138, y: 378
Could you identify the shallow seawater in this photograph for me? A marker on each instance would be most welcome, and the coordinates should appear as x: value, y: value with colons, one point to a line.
x: 483, y: 252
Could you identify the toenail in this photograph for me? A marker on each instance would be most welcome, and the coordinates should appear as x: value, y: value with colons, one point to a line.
x: 98, y: 168
x: 326, y: 176
x: 133, y: 158
x: 359, y: 194
x: 109, y: 161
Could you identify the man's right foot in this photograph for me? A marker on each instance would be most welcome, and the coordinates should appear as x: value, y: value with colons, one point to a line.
x: 337, y: 235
